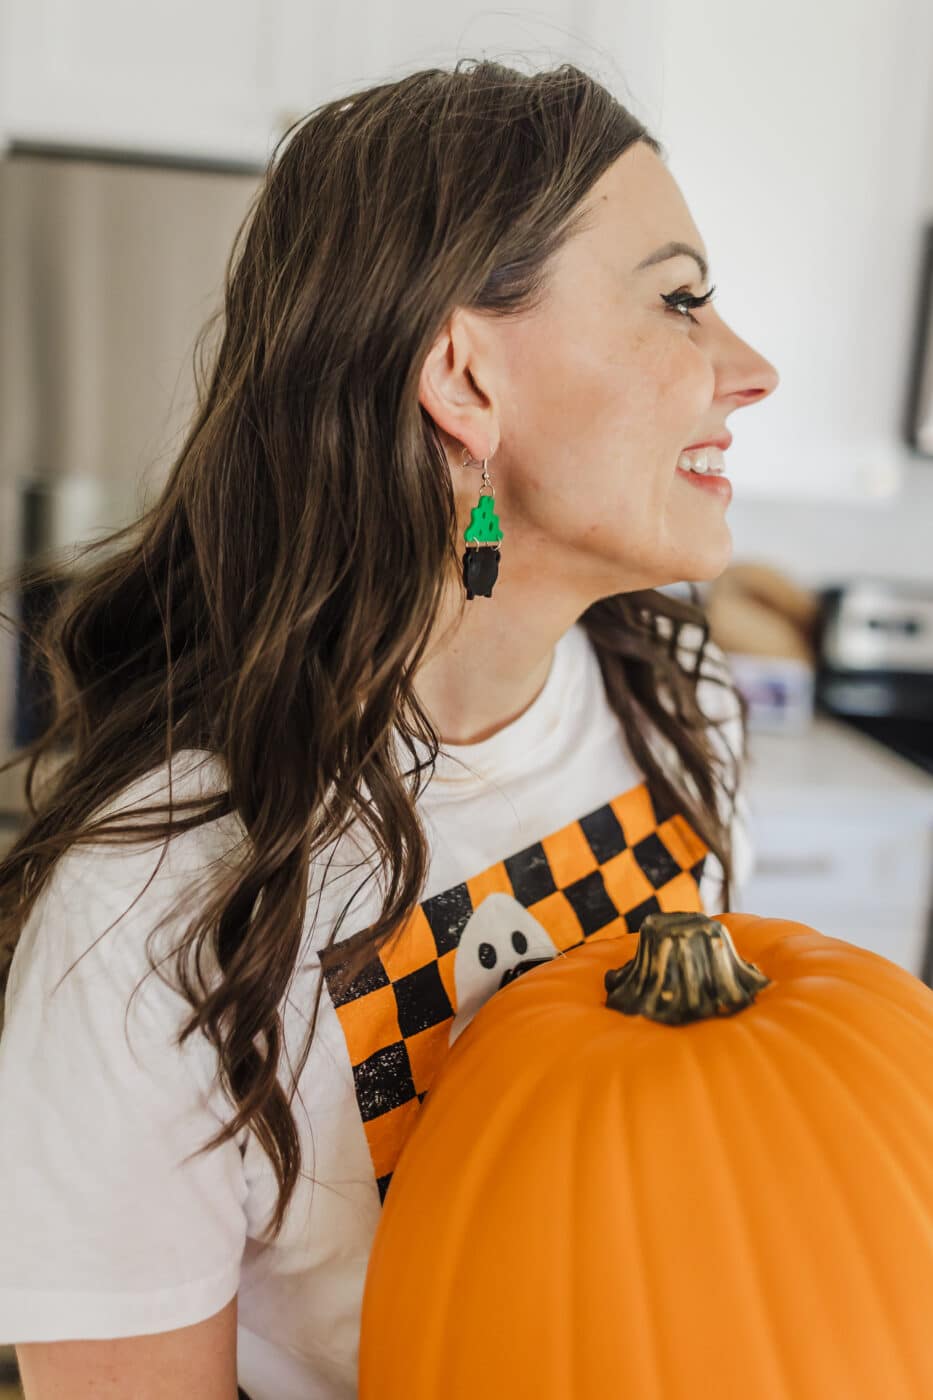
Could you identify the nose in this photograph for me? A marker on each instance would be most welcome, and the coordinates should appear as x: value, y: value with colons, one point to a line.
x: 742, y: 372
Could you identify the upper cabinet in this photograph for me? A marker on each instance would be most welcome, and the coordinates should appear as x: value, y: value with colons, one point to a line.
x: 802, y: 142
x: 181, y: 78
x: 225, y: 78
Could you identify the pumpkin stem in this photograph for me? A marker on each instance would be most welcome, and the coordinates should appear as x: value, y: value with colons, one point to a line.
x: 686, y: 969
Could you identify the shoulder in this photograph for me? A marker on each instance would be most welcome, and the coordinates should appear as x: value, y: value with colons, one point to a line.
x: 103, y: 896
x: 193, y: 774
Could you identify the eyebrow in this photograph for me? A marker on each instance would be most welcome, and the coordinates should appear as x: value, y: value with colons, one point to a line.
x: 676, y: 250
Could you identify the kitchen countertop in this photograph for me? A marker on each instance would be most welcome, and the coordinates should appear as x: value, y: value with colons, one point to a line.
x: 842, y: 830
x: 832, y: 760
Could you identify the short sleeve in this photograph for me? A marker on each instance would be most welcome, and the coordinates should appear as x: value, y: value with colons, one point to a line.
x: 106, y: 1231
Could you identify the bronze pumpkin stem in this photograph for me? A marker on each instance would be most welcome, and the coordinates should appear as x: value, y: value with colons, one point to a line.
x: 686, y: 969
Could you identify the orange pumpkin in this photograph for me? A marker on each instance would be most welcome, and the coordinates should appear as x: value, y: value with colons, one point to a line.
x: 717, y: 1181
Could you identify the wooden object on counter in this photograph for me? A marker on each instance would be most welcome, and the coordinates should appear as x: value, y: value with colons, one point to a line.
x: 755, y: 608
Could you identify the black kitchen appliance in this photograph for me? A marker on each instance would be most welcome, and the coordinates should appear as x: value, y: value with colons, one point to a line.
x: 875, y: 662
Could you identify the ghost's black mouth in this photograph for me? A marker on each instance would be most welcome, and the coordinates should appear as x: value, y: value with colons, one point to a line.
x: 526, y: 965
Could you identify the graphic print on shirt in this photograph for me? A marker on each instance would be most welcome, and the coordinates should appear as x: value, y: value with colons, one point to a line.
x: 597, y: 877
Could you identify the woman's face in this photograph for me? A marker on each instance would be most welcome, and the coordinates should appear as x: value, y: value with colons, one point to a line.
x: 586, y: 403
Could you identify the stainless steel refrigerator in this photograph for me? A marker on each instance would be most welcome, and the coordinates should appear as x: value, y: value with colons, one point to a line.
x: 109, y: 267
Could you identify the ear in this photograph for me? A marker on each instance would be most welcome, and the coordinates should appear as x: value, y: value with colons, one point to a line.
x: 450, y: 390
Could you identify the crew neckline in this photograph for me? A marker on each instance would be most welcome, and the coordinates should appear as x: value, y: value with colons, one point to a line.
x: 460, y: 768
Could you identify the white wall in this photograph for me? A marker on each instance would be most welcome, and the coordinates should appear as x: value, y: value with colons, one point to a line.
x: 816, y: 247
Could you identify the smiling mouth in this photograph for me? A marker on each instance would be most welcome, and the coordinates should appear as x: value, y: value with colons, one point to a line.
x: 711, y: 460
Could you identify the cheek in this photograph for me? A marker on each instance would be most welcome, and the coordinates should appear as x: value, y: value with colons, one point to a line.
x: 669, y: 368
x: 600, y: 418
x: 690, y: 378
x: 650, y: 373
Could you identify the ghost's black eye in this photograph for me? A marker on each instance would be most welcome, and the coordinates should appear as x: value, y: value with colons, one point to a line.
x: 519, y: 941
x: 487, y: 954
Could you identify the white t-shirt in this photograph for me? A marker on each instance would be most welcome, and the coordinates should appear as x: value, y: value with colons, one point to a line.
x: 547, y: 837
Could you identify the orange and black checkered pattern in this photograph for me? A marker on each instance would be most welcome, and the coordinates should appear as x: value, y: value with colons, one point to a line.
x: 597, y: 877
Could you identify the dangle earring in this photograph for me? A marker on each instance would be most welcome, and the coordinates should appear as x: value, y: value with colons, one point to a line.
x: 481, y: 563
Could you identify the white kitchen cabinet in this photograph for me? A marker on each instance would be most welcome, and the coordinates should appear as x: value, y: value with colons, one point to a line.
x: 328, y: 51
x: 184, y: 78
x: 843, y: 836
x: 222, y: 79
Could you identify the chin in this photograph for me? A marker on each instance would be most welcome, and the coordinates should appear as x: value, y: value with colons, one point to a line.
x: 708, y: 565
x: 706, y: 557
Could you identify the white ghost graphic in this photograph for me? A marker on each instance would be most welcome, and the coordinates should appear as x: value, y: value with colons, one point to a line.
x: 500, y: 942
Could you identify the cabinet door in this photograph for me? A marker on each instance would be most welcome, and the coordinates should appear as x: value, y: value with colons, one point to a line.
x: 866, y: 881
x: 185, y: 78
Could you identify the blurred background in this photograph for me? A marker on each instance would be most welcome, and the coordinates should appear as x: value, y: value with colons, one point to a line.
x: 132, y: 139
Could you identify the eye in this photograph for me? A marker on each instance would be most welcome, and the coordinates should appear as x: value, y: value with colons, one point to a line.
x: 681, y: 299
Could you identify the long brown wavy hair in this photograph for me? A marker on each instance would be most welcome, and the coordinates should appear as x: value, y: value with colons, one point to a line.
x: 273, y: 604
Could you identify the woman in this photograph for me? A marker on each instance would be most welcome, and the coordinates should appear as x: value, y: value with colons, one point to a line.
x: 333, y: 650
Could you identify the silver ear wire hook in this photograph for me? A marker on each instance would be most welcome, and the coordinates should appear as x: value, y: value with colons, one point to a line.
x: 487, y: 484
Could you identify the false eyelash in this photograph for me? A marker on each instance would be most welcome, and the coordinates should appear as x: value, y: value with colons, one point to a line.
x: 683, y: 298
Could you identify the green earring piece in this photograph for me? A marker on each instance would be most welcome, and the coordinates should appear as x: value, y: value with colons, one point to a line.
x: 484, y: 523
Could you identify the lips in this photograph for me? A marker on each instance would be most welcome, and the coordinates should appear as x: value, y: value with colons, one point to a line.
x: 724, y: 440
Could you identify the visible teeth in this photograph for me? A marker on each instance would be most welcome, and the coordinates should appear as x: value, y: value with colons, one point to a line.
x: 703, y: 460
